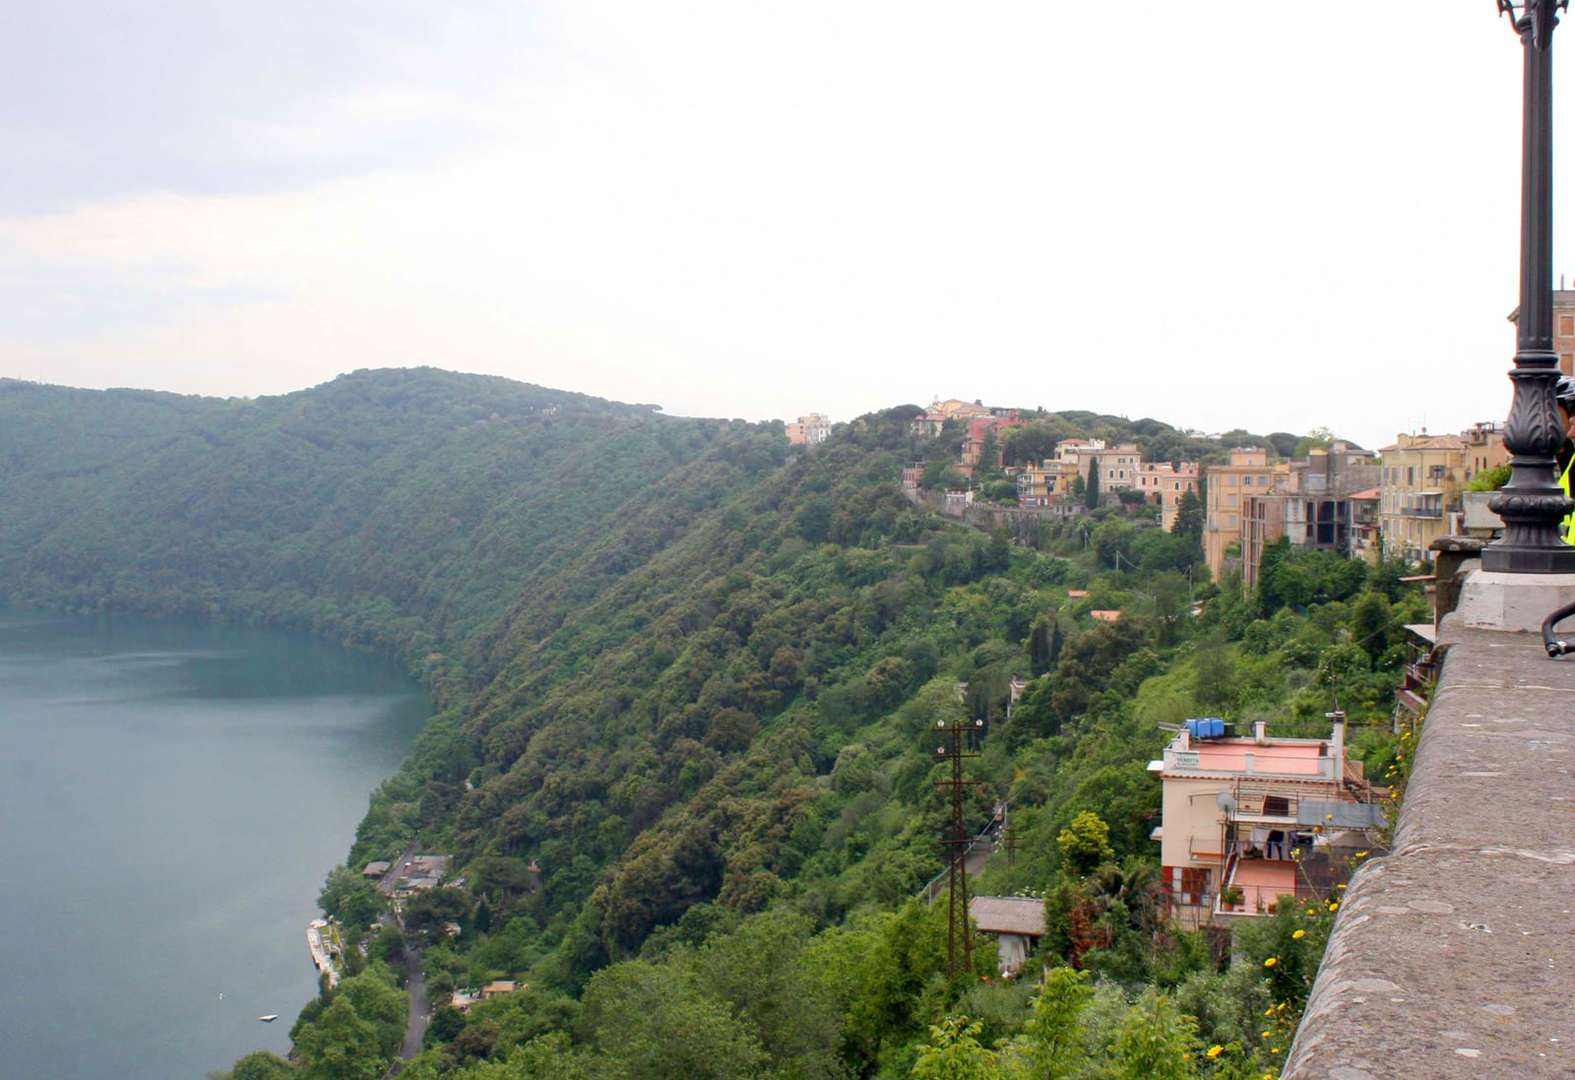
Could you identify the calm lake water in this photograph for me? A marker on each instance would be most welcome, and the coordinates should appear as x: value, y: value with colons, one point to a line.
x: 171, y: 798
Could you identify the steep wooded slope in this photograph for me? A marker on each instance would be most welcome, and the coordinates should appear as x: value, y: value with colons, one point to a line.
x: 407, y: 509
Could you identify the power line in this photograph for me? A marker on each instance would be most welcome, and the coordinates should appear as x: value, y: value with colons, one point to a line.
x: 955, y: 839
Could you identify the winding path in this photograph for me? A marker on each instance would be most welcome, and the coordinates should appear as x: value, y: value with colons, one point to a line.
x: 420, y: 1012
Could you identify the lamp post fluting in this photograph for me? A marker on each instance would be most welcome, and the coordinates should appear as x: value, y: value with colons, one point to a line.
x: 1531, y: 504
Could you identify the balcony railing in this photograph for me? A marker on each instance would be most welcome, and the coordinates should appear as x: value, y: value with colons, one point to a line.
x: 1262, y: 762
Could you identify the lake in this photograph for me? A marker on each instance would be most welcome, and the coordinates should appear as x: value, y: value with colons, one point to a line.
x: 171, y: 797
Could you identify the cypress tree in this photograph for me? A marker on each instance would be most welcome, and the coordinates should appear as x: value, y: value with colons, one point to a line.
x: 1189, y: 516
x: 1091, y: 493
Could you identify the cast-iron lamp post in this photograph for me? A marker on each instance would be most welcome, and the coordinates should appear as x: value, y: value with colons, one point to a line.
x: 1531, y: 504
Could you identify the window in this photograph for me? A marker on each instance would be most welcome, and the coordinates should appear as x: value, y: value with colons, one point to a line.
x: 1566, y: 325
x: 1276, y: 806
x: 1435, y: 472
x: 1410, y: 476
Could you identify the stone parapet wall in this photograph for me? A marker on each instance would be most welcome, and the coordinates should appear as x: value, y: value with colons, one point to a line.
x: 1452, y: 956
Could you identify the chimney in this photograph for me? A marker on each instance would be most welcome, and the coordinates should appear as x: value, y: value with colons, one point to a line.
x: 1337, y: 741
x: 1259, y: 732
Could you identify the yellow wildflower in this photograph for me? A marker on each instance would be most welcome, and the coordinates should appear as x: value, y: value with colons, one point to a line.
x: 1361, y: 854
x: 1216, y: 1050
x: 1334, y: 905
x: 1298, y: 935
x: 1271, y: 961
x: 1263, y: 1034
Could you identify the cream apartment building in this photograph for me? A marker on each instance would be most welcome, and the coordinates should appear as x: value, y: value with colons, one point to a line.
x: 1423, y: 477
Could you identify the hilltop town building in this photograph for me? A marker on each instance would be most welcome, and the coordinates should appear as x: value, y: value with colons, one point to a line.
x: 1247, y: 820
x: 810, y: 430
x: 1046, y: 482
x: 1165, y: 482
x: 1117, y: 465
x: 1224, y: 530
x: 1423, y: 477
x: 1311, y: 505
x: 1068, y: 450
x: 1366, y: 534
x: 1563, y: 326
x: 980, y: 430
x: 939, y: 412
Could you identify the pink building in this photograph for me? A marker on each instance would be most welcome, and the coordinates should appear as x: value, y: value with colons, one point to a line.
x: 1247, y: 820
x: 973, y: 445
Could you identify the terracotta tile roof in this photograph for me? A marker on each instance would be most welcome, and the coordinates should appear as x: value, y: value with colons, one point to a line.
x: 1428, y: 442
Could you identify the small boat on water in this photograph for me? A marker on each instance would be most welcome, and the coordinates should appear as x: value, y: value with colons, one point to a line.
x: 270, y: 1018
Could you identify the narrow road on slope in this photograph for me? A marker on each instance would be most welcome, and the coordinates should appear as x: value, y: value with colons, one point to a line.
x: 975, y: 857
x: 420, y: 1014
x: 420, y: 1011
x: 396, y: 869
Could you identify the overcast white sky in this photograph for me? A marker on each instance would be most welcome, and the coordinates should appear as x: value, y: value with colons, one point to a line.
x: 1219, y: 214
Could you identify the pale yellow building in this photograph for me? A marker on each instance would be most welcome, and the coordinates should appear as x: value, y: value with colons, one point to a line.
x: 1117, y: 465
x: 1165, y: 483
x: 1229, y: 486
x: 1423, y: 478
x: 1046, y: 482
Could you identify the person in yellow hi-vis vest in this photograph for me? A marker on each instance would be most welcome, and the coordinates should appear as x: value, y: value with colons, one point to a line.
x: 1564, y: 395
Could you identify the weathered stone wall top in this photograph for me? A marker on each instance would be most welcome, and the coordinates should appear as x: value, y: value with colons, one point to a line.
x: 1452, y: 957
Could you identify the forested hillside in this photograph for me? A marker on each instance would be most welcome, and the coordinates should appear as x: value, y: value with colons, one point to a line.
x: 693, y: 677
x: 408, y: 510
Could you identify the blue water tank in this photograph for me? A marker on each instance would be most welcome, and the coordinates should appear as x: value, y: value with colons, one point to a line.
x: 1207, y: 727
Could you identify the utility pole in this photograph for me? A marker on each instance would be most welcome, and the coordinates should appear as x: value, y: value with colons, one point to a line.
x: 954, y: 839
x: 1008, y: 836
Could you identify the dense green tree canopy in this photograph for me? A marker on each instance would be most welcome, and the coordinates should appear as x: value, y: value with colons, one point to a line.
x: 687, y: 683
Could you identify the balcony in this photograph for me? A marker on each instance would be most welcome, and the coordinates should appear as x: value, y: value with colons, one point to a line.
x: 1260, y: 883
x: 1425, y: 504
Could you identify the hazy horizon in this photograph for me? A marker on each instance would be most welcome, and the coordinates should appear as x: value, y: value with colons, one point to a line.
x: 1277, y: 220
x: 1179, y: 426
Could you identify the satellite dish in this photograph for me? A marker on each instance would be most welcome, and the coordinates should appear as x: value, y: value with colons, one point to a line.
x: 1225, y: 801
